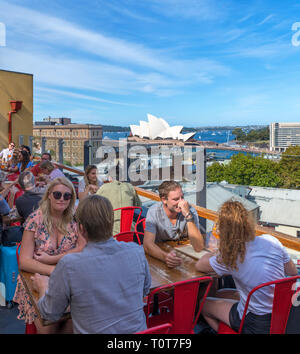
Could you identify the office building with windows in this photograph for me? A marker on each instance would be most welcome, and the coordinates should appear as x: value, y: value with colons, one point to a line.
x: 73, y: 135
x: 283, y: 135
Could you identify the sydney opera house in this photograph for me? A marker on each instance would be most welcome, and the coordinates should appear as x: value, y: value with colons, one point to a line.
x: 158, y: 128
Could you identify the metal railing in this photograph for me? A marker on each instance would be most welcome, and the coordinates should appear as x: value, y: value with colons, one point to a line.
x: 286, y: 240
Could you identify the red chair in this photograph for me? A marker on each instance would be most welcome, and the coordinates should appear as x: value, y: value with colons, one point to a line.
x: 126, y: 217
x: 140, y: 222
x: 30, y: 328
x: 182, y: 314
x: 160, y: 329
x: 284, y: 289
x: 128, y: 236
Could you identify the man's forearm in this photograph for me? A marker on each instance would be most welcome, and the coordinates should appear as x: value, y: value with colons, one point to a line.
x: 153, y: 250
x: 195, y: 236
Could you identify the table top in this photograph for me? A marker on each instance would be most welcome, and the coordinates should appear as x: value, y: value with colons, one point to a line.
x: 161, y: 275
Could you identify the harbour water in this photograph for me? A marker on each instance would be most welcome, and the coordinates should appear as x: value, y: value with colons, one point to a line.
x: 217, y: 136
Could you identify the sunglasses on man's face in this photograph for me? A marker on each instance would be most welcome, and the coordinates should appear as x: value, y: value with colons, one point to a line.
x: 57, y: 195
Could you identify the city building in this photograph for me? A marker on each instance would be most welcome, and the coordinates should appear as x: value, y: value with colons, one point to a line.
x: 283, y: 135
x: 16, y: 107
x: 73, y: 136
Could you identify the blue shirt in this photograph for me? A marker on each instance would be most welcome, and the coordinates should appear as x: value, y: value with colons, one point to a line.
x: 30, y: 164
x: 104, y: 285
x: 4, y: 207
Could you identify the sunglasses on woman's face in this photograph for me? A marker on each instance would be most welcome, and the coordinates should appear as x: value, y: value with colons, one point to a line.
x: 57, y: 195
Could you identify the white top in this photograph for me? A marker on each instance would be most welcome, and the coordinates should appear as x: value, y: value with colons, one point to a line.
x: 6, y: 154
x: 264, y: 261
x: 81, y: 185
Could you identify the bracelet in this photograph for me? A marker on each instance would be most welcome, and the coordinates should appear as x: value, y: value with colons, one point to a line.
x: 191, y: 218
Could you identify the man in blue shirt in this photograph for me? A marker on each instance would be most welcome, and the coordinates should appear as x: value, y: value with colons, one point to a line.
x: 104, y: 284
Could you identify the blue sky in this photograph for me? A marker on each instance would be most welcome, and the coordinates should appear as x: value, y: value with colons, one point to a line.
x: 192, y: 62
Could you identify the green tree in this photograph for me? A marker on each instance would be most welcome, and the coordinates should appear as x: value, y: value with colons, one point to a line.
x: 215, y: 172
x: 290, y: 167
x: 247, y: 170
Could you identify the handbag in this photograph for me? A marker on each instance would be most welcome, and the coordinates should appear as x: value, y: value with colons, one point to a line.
x: 12, y: 235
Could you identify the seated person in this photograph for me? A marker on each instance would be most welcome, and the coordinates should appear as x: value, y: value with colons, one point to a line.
x: 50, y: 233
x: 90, y: 182
x: 169, y: 220
x: 251, y: 261
x: 23, y: 162
x: 46, y: 156
x: 4, y: 210
x: 120, y: 194
x: 29, y: 201
x: 49, y: 169
x: 104, y: 284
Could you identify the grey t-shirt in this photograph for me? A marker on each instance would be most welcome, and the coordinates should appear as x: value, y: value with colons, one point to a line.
x: 158, y: 223
x: 264, y: 261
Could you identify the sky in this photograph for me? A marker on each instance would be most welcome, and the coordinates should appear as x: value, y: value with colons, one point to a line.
x: 192, y: 62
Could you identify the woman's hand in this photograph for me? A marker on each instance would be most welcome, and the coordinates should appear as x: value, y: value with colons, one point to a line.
x: 45, y: 258
x: 92, y: 188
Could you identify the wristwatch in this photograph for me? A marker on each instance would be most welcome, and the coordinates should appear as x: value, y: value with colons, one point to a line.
x: 189, y: 217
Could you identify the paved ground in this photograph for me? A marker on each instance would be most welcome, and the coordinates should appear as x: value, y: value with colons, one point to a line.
x: 9, y: 324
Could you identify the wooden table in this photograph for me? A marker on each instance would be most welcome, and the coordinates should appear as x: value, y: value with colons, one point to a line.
x: 161, y: 274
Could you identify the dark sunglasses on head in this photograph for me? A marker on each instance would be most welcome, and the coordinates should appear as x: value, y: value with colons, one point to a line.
x: 57, y: 195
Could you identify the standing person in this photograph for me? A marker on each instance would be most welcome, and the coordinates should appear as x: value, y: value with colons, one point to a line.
x: 50, y: 232
x: 120, y: 194
x: 169, y: 220
x: 90, y: 182
x: 49, y: 169
x: 251, y: 261
x: 6, y: 154
x: 104, y: 284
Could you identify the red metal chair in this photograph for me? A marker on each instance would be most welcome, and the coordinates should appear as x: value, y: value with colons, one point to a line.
x: 284, y: 289
x: 126, y: 217
x: 141, y: 222
x: 160, y: 329
x: 129, y: 236
x: 182, y: 314
x: 29, y: 328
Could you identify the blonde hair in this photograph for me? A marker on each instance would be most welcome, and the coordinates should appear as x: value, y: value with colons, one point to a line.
x: 236, y: 227
x: 87, y: 170
x: 45, y: 206
x: 95, y: 213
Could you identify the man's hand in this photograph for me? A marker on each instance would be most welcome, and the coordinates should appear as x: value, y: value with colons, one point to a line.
x: 184, y: 206
x: 173, y: 260
x: 40, y: 283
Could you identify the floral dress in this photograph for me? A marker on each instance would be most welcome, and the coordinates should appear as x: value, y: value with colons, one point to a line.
x: 42, y: 243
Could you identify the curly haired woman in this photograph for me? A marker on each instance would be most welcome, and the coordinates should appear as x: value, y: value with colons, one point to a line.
x: 251, y: 261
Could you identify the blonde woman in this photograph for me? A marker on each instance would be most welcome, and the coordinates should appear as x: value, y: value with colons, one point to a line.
x: 50, y: 232
x: 90, y: 182
x: 251, y: 261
